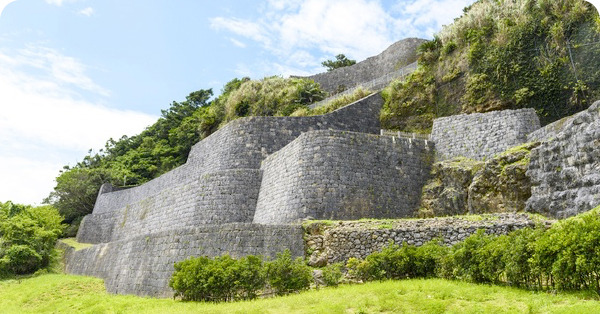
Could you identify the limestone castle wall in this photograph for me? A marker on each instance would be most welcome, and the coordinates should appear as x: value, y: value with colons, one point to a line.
x: 221, y: 179
x: 343, y: 175
x: 482, y: 135
x: 398, y: 55
x: 143, y: 264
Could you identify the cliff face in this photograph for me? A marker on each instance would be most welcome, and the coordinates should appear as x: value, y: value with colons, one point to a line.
x: 565, y: 168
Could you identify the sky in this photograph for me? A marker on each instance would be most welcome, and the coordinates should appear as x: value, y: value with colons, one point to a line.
x: 74, y: 73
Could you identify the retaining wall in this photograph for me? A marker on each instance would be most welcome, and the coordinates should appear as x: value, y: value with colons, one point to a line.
x: 342, y: 240
x: 343, y: 175
x: 482, y: 135
x: 184, y: 196
x: 565, y: 168
x: 143, y: 265
x: 215, y: 198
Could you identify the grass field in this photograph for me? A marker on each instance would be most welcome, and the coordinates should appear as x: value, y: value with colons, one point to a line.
x: 57, y: 293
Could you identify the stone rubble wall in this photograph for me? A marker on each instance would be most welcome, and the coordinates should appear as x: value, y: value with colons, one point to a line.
x: 565, y: 168
x: 343, y: 175
x: 396, y: 56
x: 340, y: 241
x: 482, y: 135
x: 143, y: 264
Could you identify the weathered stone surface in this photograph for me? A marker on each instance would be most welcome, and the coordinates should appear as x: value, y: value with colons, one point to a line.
x: 482, y: 135
x: 343, y: 175
x: 342, y: 240
x: 143, y: 264
x: 565, y: 168
x: 447, y: 192
x: 396, y: 56
x: 502, y: 185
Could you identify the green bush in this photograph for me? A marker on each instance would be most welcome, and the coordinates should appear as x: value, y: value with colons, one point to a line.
x: 286, y: 275
x: 27, y: 237
x: 332, y: 274
x: 218, y: 279
x: 398, y: 262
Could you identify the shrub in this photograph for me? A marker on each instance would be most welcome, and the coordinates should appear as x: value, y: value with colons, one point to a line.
x: 398, y: 262
x: 286, y: 275
x: 218, y: 279
x: 27, y: 237
x: 569, y: 253
x: 332, y: 274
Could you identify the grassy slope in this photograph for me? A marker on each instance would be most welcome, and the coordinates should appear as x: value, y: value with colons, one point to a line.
x: 67, y: 294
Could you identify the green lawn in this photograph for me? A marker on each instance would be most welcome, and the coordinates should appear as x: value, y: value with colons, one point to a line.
x: 77, y: 294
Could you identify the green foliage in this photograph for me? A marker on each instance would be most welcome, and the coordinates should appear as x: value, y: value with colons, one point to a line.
x: 339, y: 62
x: 332, y: 274
x: 287, y: 275
x: 398, y: 262
x: 27, y: 237
x: 503, y: 55
x: 334, y: 104
x: 218, y: 279
x: 224, y: 278
x: 271, y: 96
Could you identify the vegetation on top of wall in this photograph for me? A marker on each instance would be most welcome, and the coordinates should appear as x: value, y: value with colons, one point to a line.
x: 340, y: 61
x: 134, y: 160
x: 540, y: 54
x: 336, y: 103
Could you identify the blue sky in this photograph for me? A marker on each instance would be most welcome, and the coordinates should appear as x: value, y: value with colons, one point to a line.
x: 74, y: 73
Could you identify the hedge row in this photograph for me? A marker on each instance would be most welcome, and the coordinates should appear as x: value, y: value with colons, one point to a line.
x: 564, y: 257
x: 224, y: 278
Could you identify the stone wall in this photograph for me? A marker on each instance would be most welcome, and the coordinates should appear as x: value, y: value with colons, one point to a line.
x: 565, y: 168
x: 217, y: 197
x: 343, y: 175
x: 220, y: 181
x: 398, y: 55
x: 143, y: 264
x: 482, y: 135
x: 337, y: 242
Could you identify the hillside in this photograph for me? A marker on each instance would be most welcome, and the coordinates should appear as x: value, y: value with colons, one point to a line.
x: 503, y: 55
x: 498, y: 55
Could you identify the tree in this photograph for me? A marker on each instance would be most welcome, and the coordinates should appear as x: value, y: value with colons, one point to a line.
x: 27, y: 237
x: 340, y: 62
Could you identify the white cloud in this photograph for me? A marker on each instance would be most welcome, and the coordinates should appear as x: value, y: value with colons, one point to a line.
x: 89, y: 11
x: 60, y: 2
x: 241, y: 27
x: 317, y: 29
x: 45, y: 124
x: 4, y: 3
x: 430, y: 15
x: 237, y: 43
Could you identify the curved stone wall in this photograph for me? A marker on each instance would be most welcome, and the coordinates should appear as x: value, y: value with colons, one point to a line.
x: 202, y: 191
x: 143, y: 264
x: 399, y: 54
x: 217, y: 197
x: 343, y: 175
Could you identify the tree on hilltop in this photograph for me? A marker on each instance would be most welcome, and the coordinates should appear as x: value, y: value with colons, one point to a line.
x: 340, y: 62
